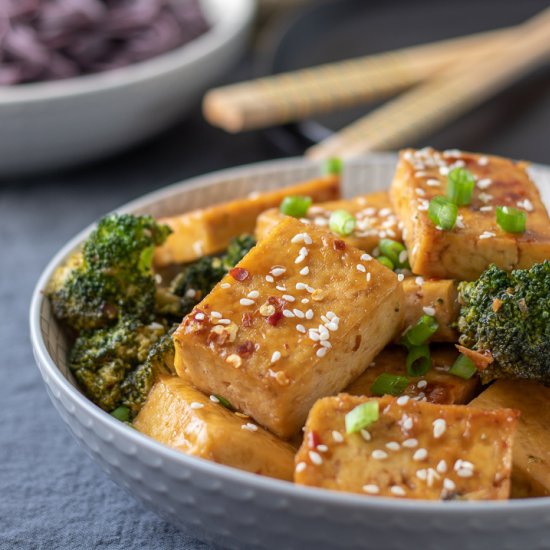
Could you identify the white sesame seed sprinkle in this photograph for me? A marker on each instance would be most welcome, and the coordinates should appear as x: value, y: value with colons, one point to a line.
x: 397, y: 491
x: 400, y: 277
x: 365, y: 434
x: 402, y: 400
x: 301, y: 286
x: 216, y: 314
x: 449, y: 484
x: 289, y: 298
x: 253, y: 294
x: 316, y: 458
x: 366, y: 257
x: 371, y: 489
x: 199, y: 316
x: 526, y: 204
x: 487, y: 235
x: 309, y: 313
x: 419, y: 281
x: 224, y: 321
x: 305, y: 301
x: 225, y: 285
x: 299, y: 313
x: 420, y: 454
x: 393, y: 446
x: 214, y: 399
x: 439, y: 427
x: 464, y: 472
x: 326, y: 344
x: 403, y: 255
x: 246, y: 302
x: 486, y: 208
x: 277, y: 271
x: 421, y: 384
x: 407, y: 422
x: 196, y: 405
x: 441, y: 467
x: 287, y: 313
x: 369, y: 277
x: 304, y: 270
x: 379, y: 454
x: 332, y: 326
x: 249, y: 427
x: 432, y: 182
x: 410, y: 443
x: 301, y: 328
x: 276, y: 356
x: 483, y: 161
x: 337, y: 436
x: 484, y: 183
x: 269, y: 279
x: 422, y: 474
x: 361, y: 267
x: 322, y: 448
x: 314, y: 335
x: 429, y: 310
x: 419, y: 191
x: 321, y: 352
x: 301, y: 466
x: 299, y: 259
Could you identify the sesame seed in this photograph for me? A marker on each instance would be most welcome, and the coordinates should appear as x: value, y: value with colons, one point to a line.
x: 420, y: 174
x: 393, y: 446
x: 407, y: 422
x: 299, y: 259
x: 397, y: 491
x: 316, y: 458
x: 432, y: 182
x: 420, y: 454
x: 326, y: 344
x: 428, y: 310
x: 196, y: 405
x: 224, y: 322
x: 289, y: 298
x: 277, y: 271
x: 337, y: 436
x: 332, y: 326
x: 444, y: 170
x: 322, y: 448
x: 378, y: 454
x: 441, y: 467
x: 246, y: 302
x: 366, y: 257
x: 484, y: 183
x: 314, y: 335
x: 483, y: 161
x: 464, y: 472
x: 361, y: 267
x: 301, y: 466
x: 526, y: 204
x: 304, y: 270
x: 225, y: 285
x: 288, y: 313
x: 440, y: 426
x: 410, y: 443
x: 309, y: 313
x: 369, y: 276
x: 299, y: 313
x: 301, y: 286
x: 487, y: 235
x: 269, y: 279
x: 422, y: 474
x: 400, y: 277
x: 311, y: 290
x: 214, y: 399
x: 419, y: 191
x: 249, y: 427
x: 199, y: 316
x: 487, y: 208
x: 403, y: 400
x: 371, y: 489
x: 419, y: 281
x: 365, y: 434
x: 449, y: 484
x: 403, y: 255
x: 297, y: 238
x: 216, y: 314
x: 253, y: 294
x: 304, y: 301
x: 485, y: 197
x: 301, y: 328
x: 276, y: 356
x: 422, y: 384
x: 321, y: 352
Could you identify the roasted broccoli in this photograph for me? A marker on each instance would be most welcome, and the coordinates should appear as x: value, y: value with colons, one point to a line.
x: 238, y: 248
x: 113, y: 275
x: 508, y: 316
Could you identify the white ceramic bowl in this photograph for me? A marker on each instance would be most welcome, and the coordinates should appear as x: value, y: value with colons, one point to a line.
x: 243, y: 510
x: 63, y: 123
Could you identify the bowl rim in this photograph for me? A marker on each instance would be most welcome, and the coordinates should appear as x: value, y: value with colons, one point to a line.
x: 226, y: 25
x: 49, y: 370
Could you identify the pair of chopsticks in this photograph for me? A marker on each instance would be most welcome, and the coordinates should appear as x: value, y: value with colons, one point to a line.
x: 439, y: 81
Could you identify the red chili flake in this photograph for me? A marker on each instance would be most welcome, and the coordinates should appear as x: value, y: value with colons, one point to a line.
x: 313, y: 440
x: 247, y: 320
x: 246, y: 348
x: 275, y: 318
x: 339, y: 245
x: 239, y: 274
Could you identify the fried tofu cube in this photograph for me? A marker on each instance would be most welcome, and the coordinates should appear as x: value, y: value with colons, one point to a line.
x: 414, y: 450
x: 436, y: 386
x: 181, y: 417
x: 300, y: 316
x: 209, y: 230
x: 435, y: 297
x: 476, y: 241
x: 531, y: 452
x: 373, y: 212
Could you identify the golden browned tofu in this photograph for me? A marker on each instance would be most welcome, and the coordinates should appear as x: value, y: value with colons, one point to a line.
x: 436, y: 386
x: 414, y: 450
x: 209, y: 230
x: 476, y: 241
x: 178, y: 415
x: 300, y: 316
x: 531, y: 452
x: 435, y: 297
x: 373, y: 212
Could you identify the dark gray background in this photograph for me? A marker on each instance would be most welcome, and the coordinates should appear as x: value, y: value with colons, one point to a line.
x: 51, y: 494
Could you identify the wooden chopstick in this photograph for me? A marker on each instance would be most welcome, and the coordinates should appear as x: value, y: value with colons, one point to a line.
x: 299, y: 94
x: 447, y: 95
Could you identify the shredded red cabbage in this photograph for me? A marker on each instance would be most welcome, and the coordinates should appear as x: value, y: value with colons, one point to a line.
x: 54, y: 39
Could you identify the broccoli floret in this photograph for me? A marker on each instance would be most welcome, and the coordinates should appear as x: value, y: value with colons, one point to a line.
x: 508, y: 315
x: 199, y: 278
x: 114, y: 274
x: 104, y: 361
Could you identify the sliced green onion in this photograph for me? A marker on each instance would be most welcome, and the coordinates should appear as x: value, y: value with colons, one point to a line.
x: 342, y: 222
x: 362, y: 416
x: 420, y: 333
x: 224, y: 402
x: 384, y: 260
x: 460, y: 186
x: 443, y: 212
x: 511, y: 219
x: 296, y: 206
x: 395, y: 251
x: 463, y: 367
x: 333, y: 166
x: 121, y: 413
x: 389, y: 384
x: 419, y: 360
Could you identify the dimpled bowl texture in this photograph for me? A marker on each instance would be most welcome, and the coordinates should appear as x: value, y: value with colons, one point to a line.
x: 241, y: 510
x: 63, y: 123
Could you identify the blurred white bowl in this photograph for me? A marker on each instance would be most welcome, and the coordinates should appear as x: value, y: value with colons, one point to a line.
x: 57, y: 124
